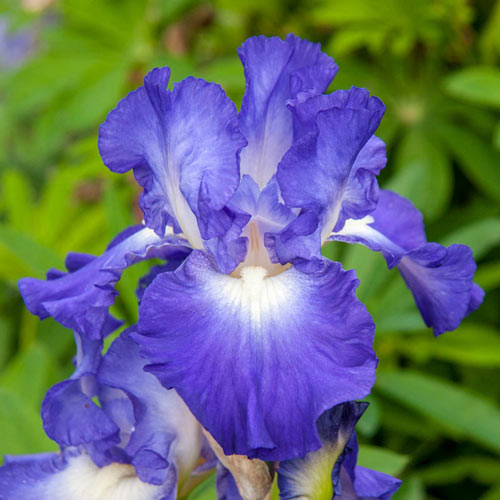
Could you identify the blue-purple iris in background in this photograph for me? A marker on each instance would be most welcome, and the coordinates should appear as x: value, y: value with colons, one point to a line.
x: 246, y: 324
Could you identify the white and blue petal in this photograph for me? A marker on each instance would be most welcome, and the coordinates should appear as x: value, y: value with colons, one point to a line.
x: 163, y: 434
x: 320, y: 175
x: 259, y: 358
x: 183, y: 146
x: 275, y: 71
x: 80, y: 299
x: 75, y: 477
x: 440, y: 278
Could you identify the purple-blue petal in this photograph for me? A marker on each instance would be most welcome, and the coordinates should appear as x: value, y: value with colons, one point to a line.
x: 359, y: 483
x: 71, y: 418
x: 440, y: 278
x: 256, y: 359
x: 371, y: 484
x: 183, y: 146
x: 320, y: 168
x: 306, y: 476
x: 80, y: 299
x: 275, y: 71
x: 164, y: 433
x: 441, y: 282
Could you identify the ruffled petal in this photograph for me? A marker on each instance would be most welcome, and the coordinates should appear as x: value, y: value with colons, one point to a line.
x: 257, y: 359
x: 372, y: 484
x: 71, y: 418
x: 276, y: 70
x: 165, y: 433
x: 316, y: 476
x: 80, y: 299
x: 359, y: 483
x: 75, y: 478
x: 440, y: 278
x: 69, y: 415
x: 183, y: 146
x: 320, y: 169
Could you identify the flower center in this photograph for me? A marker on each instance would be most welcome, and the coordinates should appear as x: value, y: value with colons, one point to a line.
x: 257, y: 254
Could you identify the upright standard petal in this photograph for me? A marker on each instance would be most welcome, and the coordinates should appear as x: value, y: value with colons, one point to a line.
x: 80, y: 299
x: 183, y: 146
x: 275, y: 71
x: 360, y: 193
x: 258, y: 359
x: 320, y: 169
x: 440, y: 279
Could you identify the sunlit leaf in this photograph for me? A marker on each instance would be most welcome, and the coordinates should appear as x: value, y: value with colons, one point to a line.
x: 423, y: 174
x: 457, y: 410
x: 479, y: 161
x: 381, y: 459
x: 477, y: 84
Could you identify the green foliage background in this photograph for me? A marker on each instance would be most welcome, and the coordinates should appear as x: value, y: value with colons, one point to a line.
x: 434, y: 418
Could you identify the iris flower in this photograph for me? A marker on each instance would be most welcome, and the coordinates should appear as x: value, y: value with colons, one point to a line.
x: 140, y: 443
x: 257, y: 332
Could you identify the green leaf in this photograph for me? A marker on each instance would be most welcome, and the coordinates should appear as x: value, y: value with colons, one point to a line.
x: 18, y: 199
x: 36, y: 258
x: 488, y: 275
x: 370, y: 268
x: 478, y: 160
x: 21, y: 427
x: 457, y: 410
x: 411, y: 489
x: 477, y: 84
x: 369, y: 424
x: 387, y: 461
x: 423, y: 173
x: 471, y: 345
x: 30, y: 374
x: 205, y: 491
x: 492, y: 494
x: 480, y: 468
x: 481, y: 236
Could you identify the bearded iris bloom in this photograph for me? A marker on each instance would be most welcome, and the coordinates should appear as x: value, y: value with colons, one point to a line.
x: 140, y: 443
x: 257, y: 332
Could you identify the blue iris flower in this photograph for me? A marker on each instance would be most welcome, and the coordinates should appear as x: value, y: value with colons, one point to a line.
x: 140, y: 443
x: 257, y: 332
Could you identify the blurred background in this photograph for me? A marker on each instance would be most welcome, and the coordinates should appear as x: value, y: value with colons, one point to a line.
x: 434, y: 418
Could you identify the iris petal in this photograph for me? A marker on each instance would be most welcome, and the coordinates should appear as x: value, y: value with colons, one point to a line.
x: 440, y: 278
x: 320, y: 169
x: 164, y: 429
x: 258, y: 359
x: 183, y: 146
x: 275, y: 71
x: 80, y: 299
x: 316, y: 476
x: 75, y: 478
